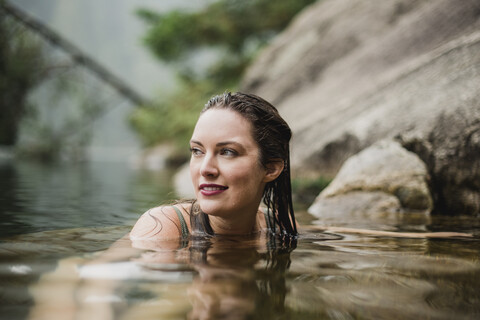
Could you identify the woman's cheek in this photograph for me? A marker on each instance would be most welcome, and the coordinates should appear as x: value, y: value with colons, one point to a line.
x: 238, y: 172
x: 194, y: 171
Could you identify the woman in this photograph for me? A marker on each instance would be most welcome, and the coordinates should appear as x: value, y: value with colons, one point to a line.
x: 240, y: 155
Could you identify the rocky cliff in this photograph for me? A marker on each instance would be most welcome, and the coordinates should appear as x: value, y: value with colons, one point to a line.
x: 346, y: 74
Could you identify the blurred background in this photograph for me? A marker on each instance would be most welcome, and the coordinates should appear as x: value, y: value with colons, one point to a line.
x: 102, y: 80
x: 67, y: 110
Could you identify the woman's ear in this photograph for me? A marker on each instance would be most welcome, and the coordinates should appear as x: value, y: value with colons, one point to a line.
x: 274, y: 169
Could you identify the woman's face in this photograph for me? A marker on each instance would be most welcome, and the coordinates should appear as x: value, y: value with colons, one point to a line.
x: 226, y: 174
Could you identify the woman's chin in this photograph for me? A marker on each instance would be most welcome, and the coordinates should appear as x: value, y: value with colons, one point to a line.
x: 209, y: 207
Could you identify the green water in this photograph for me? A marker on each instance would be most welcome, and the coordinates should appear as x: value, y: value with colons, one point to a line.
x: 58, y: 259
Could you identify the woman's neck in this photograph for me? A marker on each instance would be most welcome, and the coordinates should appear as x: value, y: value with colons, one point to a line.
x: 229, y: 226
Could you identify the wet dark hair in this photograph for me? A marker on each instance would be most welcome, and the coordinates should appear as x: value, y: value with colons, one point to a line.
x: 272, y: 134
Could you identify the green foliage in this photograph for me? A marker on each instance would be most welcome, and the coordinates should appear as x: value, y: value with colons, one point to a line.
x: 236, y: 29
x: 305, y: 190
x: 67, y: 99
x: 21, y: 58
x: 230, y: 24
x: 60, y: 127
x: 172, y: 119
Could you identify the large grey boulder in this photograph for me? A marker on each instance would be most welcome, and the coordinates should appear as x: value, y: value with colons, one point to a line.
x: 384, y: 178
x: 346, y: 74
x: 451, y: 150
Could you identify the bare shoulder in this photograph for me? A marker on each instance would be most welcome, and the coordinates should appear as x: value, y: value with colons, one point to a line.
x: 160, y: 223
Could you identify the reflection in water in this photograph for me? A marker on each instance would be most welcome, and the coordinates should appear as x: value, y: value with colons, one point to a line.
x: 236, y: 281
x: 235, y: 277
x: 215, y: 278
x: 320, y: 276
x: 374, y: 278
x: 10, y: 204
x: 37, y: 197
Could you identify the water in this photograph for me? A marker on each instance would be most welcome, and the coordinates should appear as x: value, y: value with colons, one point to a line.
x: 62, y: 256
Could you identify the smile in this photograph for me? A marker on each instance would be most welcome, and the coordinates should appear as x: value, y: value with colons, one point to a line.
x: 211, y: 189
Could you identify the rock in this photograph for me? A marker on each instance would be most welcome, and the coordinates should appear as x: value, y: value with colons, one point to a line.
x: 451, y: 150
x: 345, y: 75
x: 384, y: 178
x: 357, y: 204
x: 154, y: 158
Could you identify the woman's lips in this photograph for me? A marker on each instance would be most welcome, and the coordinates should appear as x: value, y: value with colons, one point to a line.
x: 211, y: 189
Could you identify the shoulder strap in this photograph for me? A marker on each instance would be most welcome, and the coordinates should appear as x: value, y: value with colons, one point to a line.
x: 183, y: 223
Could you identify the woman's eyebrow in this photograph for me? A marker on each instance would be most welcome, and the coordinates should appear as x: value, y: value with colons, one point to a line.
x: 220, y: 144
x: 196, y: 142
x: 224, y: 143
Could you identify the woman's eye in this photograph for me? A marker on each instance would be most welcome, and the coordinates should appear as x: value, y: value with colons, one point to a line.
x: 229, y: 152
x: 195, y: 151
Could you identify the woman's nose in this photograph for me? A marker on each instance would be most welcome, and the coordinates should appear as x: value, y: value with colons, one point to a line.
x: 209, y: 167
